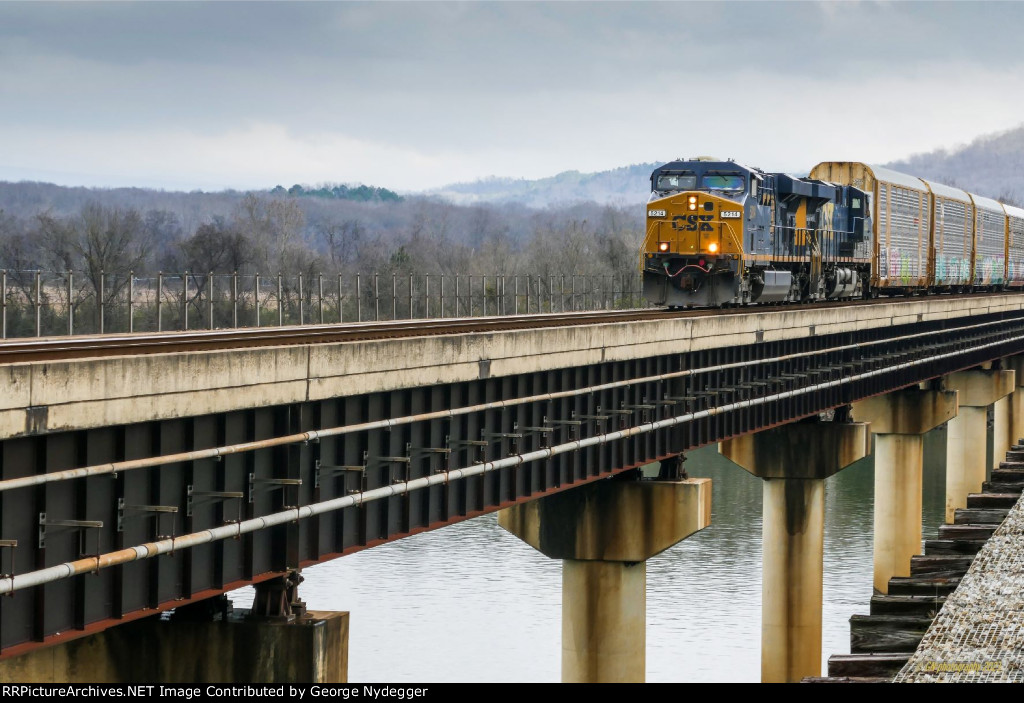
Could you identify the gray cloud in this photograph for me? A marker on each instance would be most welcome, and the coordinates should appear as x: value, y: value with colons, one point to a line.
x: 469, y: 78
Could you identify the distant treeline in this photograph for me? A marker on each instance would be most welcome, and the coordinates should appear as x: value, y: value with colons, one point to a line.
x: 340, y: 192
x: 95, y: 232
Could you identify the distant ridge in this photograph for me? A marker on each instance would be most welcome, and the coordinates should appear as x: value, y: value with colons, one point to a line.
x: 991, y: 165
x: 626, y: 185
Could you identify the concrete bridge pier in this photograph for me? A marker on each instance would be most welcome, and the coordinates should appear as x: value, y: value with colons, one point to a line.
x: 794, y: 460
x: 899, y: 422
x: 966, y: 435
x: 277, y: 642
x: 604, y: 533
x: 1001, y: 429
x: 1014, y: 405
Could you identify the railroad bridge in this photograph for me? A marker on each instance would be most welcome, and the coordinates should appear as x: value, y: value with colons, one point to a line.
x: 154, y: 472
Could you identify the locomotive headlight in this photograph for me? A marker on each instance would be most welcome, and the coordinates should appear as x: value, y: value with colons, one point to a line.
x: 692, y: 204
x: 662, y: 246
x: 713, y: 247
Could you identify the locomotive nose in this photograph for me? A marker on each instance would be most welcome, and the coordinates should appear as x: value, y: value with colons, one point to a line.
x: 693, y: 223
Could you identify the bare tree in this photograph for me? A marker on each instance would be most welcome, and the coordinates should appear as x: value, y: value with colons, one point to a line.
x: 216, y: 246
x: 273, y: 224
x: 105, y: 243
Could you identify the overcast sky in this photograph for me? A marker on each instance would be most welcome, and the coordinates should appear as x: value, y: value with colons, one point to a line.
x: 414, y: 96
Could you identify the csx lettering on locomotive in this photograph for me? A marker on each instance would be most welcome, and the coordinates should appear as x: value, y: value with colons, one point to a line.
x: 692, y: 223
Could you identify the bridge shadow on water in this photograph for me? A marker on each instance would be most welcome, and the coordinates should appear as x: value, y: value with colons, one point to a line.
x: 471, y: 602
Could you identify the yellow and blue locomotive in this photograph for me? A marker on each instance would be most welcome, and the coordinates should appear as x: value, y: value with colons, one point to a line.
x: 720, y: 233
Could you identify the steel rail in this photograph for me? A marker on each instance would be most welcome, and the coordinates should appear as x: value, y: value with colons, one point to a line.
x: 59, y: 348
x: 314, y: 435
x: 9, y: 584
x: 307, y: 334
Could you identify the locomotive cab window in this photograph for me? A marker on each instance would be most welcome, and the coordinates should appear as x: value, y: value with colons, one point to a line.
x: 723, y: 181
x: 677, y: 181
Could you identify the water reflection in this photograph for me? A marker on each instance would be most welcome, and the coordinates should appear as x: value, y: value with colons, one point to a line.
x: 472, y: 603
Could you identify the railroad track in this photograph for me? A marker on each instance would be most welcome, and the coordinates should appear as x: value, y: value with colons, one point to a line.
x: 64, y: 348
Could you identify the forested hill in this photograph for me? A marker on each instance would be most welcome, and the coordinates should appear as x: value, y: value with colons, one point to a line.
x: 315, y: 230
x: 991, y: 165
x: 624, y: 186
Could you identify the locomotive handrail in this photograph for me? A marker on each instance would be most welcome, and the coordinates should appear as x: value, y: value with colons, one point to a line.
x: 738, y: 243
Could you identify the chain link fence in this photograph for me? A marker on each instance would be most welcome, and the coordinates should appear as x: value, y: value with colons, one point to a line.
x: 43, y: 303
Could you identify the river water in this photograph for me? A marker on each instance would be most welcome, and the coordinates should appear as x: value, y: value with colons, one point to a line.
x: 471, y: 602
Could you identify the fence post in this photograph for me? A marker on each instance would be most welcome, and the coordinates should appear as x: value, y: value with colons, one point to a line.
x: 442, y: 296
x: 234, y: 299
x: 341, y: 308
x: 159, y: 300
x: 280, y: 303
x: 131, y: 302
x: 376, y: 297
x: 394, y: 296
x: 302, y: 296
x: 71, y: 306
x: 3, y: 304
x: 184, y: 301
x: 426, y: 296
x: 102, y: 302
x: 359, y: 301
x: 483, y: 296
x: 39, y: 304
x: 456, y: 295
x: 256, y: 296
x: 410, y: 296
x: 320, y: 295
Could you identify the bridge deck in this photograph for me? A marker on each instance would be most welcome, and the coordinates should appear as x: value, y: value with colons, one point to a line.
x: 136, y: 482
x: 71, y: 383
